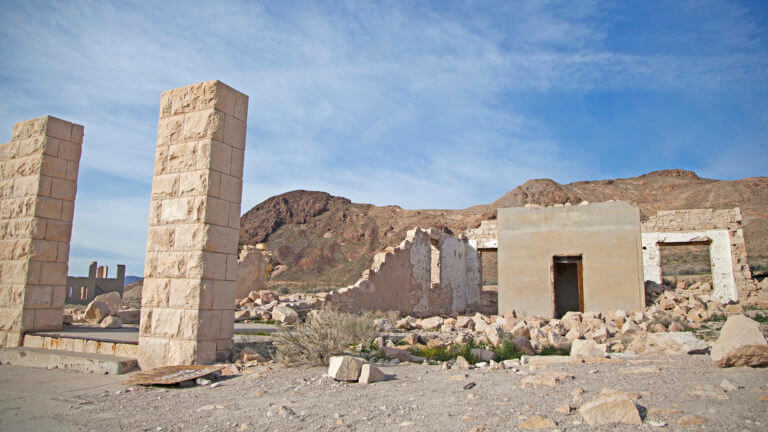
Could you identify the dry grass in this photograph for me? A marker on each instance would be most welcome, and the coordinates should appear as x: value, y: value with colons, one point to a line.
x: 326, y: 333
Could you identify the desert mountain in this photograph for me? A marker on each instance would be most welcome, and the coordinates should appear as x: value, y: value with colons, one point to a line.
x: 327, y: 241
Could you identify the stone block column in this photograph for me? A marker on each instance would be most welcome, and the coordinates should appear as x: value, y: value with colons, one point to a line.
x: 38, y: 182
x: 187, y: 314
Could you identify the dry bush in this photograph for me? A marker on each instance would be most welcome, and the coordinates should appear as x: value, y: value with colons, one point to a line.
x: 327, y: 332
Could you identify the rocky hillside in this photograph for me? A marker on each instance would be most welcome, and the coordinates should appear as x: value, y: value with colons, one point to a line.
x: 321, y: 241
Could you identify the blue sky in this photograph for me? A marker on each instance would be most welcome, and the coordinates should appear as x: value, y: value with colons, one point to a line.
x: 420, y: 104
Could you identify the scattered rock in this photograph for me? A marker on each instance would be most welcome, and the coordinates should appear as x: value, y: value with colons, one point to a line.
x: 709, y: 391
x: 677, y: 343
x: 587, y: 348
x: 612, y: 409
x: 432, y: 323
x: 550, y: 379
x: 483, y: 354
x: 606, y: 392
x: 537, y: 422
x: 370, y: 374
x: 469, y: 385
x: 285, y: 315
x: 345, y: 368
x: 96, y: 311
x: 741, y: 343
x: 564, y: 409
x: 461, y: 363
x: 397, y: 353
x: 111, y: 322
x: 727, y: 386
x: 111, y: 299
x: 690, y: 419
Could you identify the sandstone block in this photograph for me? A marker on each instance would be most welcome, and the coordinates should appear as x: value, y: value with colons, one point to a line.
x: 370, y: 374
x: 96, y: 311
x: 285, y: 315
x: 587, y: 348
x: 111, y: 322
x: 741, y: 343
x: 345, y: 368
x: 432, y: 323
x: 613, y: 409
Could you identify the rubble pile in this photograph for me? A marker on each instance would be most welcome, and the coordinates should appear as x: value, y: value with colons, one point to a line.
x: 105, y: 311
x: 267, y: 305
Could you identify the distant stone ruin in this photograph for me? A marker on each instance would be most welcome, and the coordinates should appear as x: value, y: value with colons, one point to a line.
x: 82, y: 290
x: 429, y: 273
x: 721, y: 230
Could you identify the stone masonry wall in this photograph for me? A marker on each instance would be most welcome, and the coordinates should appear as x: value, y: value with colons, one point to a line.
x: 400, y: 278
x: 704, y: 223
x: 191, y: 263
x: 38, y: 183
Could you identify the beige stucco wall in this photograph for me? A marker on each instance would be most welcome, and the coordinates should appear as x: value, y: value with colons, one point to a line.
x: 606, y: 235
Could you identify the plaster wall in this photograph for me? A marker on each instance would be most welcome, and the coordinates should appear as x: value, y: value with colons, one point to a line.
x: 605, y: 235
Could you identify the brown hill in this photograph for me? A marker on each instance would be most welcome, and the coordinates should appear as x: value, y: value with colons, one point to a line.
x: 327, y: 241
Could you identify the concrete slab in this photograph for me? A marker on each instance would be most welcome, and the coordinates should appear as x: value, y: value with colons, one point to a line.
x: 126, y: 334
x: 44, y: 358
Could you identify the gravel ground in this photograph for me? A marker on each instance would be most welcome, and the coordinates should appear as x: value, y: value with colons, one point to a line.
x: 420, y: 398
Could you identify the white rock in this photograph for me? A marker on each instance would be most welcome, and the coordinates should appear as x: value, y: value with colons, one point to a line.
x: 587, y: 348
x: 677, y: 343
x: 432, y: 323
x: 111, y: 299
x: 345, y: 368
x: 371, y: 374
x: 494, y: 333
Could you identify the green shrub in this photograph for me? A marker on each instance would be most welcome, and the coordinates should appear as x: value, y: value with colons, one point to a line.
x: 506, y: 350
x: 326, y: 333
x: 446, y: 353
x: 761, y: 318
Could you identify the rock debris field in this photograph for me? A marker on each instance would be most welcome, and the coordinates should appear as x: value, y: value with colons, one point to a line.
x: 672, y: 392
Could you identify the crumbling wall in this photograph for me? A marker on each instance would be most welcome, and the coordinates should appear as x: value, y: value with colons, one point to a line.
x: 252, y: 269
x: 722, y: 229
x: 38, y: 183
x: 401, y: 278
x: 96, y: 283
x: 485, y: 236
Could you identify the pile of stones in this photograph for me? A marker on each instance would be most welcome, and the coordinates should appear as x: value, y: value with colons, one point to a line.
x: 267, y: 305
x: 104, y: 311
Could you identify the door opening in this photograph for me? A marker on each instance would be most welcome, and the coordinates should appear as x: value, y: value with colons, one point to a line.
x: 569, y: 292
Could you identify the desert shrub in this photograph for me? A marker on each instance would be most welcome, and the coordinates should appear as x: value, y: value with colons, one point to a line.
x: 761, y: 318
x: 446, y: 353
x: 506, y: 350
x: 550, y: 350
x: 666, y: 318
x: 326, y: 333
x: 718, y: 318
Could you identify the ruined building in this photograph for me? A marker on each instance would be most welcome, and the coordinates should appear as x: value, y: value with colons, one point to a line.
x: 82, y: 290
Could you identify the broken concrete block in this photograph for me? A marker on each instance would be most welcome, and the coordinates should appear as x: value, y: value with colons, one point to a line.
x: 432, y: 323
x: 345, y: 368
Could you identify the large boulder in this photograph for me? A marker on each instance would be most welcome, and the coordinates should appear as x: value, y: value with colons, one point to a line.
x: 677, y: 343
x: 96, y: 311
x: 370, y: 374
x: 741, y: 343
x: 285, y: 315
x: 111, y: 299
x: 345, y: 368
x: 432, y: 323
x: 611, y: 409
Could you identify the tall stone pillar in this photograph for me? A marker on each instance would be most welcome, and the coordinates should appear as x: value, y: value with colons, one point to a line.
x: 187, y: 313
x: 38, y: 182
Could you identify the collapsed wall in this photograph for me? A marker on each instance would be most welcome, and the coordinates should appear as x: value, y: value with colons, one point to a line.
x: 720, y: 229
x: 429, y: 273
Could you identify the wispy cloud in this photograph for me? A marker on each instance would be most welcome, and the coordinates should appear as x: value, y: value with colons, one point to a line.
x: 415, y: 104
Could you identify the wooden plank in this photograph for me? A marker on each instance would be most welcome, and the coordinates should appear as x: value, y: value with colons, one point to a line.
x: 168, y: 375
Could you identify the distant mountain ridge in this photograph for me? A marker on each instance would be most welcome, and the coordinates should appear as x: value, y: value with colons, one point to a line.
x: 328, y: 241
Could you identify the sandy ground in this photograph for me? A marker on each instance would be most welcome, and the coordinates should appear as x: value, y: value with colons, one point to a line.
x: 420, y: 398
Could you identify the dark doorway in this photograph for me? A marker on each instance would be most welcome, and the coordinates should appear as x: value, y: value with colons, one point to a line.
x: 569, y: 295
